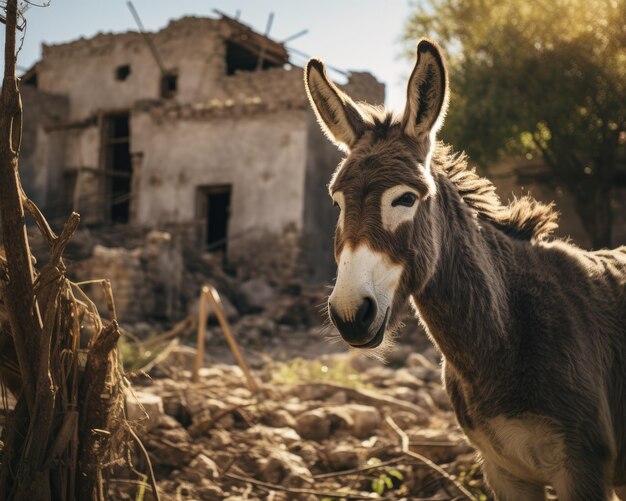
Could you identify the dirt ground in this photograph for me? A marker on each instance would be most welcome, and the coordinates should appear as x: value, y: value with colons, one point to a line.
x: 325, y: 423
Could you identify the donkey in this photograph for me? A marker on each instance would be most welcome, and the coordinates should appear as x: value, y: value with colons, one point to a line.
x: 532, y: 330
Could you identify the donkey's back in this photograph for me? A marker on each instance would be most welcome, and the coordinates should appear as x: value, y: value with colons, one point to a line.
x: 568, y: 334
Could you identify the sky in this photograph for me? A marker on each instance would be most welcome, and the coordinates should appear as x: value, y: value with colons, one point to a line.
x: 347, y: 34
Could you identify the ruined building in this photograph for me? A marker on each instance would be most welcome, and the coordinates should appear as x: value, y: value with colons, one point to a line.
x: 202, y: 127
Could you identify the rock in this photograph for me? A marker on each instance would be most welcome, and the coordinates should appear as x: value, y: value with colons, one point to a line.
x: 407, y: 420
x: 200, y: 468
x: 307, y: 451
x: 285, y: 468
x: 361, y: 363
x: 378, y: 375
x: 279, y: 418
x: 416, y: 359
x: 209, y: 490
x: 255, y: 328
x: 170, y: 448
x: 313, y: 425
x: 366, y: 419
x: 338, y: 398
x: 142, y: 404
x: 425, y: 401
x: 402, y: 393
x: 424, y: 441
x: 220, y: 439
x: 167, y: 422
x: 361, y: 420
x: 441, y: 398
x: 399, y: 354
x: 285, y: 436
x: 403, y: 377
x: 309, y: 392
x: 256, y: 293
x: 342, y: 457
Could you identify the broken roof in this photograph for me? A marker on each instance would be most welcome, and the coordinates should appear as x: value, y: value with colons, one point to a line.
x: 271, y: 50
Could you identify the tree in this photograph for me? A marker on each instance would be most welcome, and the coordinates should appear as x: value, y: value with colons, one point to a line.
x: 547, y: 78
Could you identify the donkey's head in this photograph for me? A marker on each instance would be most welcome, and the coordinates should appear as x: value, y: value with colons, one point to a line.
x: 387, y: 241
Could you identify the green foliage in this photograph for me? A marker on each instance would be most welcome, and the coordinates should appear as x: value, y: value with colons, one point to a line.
x: 387, y: 481
x: 300, y: 370
x: 471, y: 477
x: 539, y: 78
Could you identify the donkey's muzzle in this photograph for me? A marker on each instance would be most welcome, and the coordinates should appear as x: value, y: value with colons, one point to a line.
x: 356, y: 330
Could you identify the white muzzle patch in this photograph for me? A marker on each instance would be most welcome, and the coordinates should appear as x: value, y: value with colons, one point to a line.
x: 363, y: 272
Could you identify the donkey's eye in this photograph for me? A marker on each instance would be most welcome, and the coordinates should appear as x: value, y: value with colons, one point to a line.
x: 406, y: 200
x: 335, y: 204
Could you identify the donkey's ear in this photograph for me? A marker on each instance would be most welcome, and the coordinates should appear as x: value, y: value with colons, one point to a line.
x: 427, y: 93
x: 339, y: 116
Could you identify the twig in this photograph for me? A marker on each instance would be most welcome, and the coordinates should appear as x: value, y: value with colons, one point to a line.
x: 202, y: 318
x: 370, y: 397
x: 354, y: 471
x: 404, y: 444
x: 151, y: 476
x: 215, y: 303
x: 173, y: 332
x: 295, y: 490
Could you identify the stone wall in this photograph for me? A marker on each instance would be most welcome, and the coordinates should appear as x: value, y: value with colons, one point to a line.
x: 42, y: 153
x: 146, y: 281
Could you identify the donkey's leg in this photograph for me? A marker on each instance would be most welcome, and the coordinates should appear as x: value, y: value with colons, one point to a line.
x: 507, y: 487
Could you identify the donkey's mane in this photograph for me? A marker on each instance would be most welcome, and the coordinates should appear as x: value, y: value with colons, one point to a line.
x: 523, y: 218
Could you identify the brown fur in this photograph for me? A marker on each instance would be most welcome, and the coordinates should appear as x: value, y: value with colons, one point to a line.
x: 533, y: 332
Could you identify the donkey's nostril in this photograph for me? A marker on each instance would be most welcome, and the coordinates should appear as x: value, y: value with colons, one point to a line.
x: 366, y: 313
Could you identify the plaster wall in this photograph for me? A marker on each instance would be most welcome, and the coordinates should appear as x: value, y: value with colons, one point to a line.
x: 260, y: 156
x: 84, y: 70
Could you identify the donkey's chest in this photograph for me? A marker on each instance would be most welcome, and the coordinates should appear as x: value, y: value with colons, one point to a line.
x: 528, y: 447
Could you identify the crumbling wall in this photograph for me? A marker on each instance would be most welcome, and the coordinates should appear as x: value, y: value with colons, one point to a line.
x: 259, y: 155
x: 146, y: 281
x: 42, y: 153
x: 84, y: 70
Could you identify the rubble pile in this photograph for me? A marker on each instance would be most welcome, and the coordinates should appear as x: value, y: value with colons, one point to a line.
x: 319, y: 429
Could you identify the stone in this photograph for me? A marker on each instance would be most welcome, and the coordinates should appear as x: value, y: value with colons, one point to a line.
x: 441, y: 398
x: 201, y: 467
x: 285, y: 436
x: 279, y: 418
x: 209, y: 490
x: 404, y: 377
x: 255, y: 328
x: 285, y: 468
x: 361, y: 420
x: 171, y: 448
x: 307, y: 451
x: 313, y: 425
x: 257, y: 293
x: 424, y: 441
x: 342, y: 457
x: 141, y: 405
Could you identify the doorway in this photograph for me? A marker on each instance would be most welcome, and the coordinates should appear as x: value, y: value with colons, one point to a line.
x: 214, y: 210
x: 118, y: 166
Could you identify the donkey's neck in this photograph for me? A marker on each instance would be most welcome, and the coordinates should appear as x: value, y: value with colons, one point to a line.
x: 464, y: 305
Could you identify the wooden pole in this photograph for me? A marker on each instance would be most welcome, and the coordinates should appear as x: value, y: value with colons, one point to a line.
x: 202, y: 318
x: 215, y: 302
